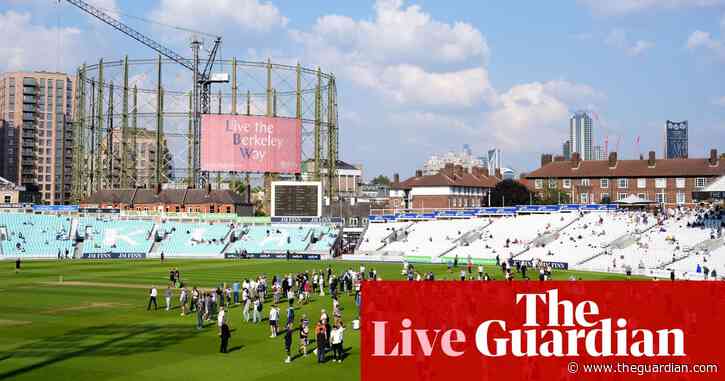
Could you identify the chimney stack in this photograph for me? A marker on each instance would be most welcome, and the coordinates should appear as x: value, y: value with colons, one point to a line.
x: 208, y: 188
x: 558, y: 158
x: 418, y: 173
x: 612, y: 159
x: 713, y: 157
x: 545, y: 159
x: 396, y: 178
x: 459, y: 170
x: 158, y: 189
x: 651, y: 159
x: 575, y: 160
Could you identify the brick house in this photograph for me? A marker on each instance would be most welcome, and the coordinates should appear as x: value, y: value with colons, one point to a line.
x: 172, y: 200
x: 452, y: 187
x: 665, y: 181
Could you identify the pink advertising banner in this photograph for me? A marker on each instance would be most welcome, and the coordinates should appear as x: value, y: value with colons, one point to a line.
x: 250, y: 144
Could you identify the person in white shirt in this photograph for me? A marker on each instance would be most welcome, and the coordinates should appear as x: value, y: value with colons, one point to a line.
x: 167, y: 297
x: 152, y: 298
x: 257, y: 313
x: 273, y: 319
x: 336, y: 341
x: 221, y: 319
x: 246, y: 300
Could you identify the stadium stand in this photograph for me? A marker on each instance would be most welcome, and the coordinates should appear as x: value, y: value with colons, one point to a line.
x: 35, y: 236
x: 684, y: 240
x: 192, y: 239
x: 115, y: 236
x: 283, y: 238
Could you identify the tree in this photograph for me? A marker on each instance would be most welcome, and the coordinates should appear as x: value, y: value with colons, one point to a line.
x: 510, y: 193
x: 554, y: 196
x: 381, y: 180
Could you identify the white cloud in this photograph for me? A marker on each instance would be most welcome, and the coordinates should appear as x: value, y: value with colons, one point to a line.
x: 405, y: 55
x: 535, y: 111
x: 410, y: 84
x: 617, y: 38
x: 214, y: 15
x: 719, y: 101
x: 28, y: 46
x: 400, y: 34
x: 617, y: 7
x: 703, y: 40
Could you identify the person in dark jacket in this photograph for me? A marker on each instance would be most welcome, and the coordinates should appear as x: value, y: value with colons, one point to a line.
x: 321, y: 336
x: 17, y: 265
x: 226, y: 334
x: 288, y: 343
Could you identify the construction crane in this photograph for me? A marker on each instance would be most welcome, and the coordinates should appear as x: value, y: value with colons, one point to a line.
x: 202, y: 80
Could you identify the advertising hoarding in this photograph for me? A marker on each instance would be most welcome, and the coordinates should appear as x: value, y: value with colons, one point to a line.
x: 241, y: 143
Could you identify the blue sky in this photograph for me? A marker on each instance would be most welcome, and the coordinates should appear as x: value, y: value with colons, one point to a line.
x: 425, y: 77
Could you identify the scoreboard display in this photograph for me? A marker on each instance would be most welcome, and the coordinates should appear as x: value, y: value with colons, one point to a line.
x: 296, y: 199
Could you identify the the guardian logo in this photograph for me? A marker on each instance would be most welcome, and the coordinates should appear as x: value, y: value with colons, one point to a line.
x: 567, y: 330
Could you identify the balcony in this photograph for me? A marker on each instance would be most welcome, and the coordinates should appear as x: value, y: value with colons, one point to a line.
x: 30, y: 82
x: 28, y: 116
x: 30, y: 99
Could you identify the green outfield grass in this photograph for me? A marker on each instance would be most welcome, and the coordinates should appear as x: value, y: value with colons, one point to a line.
x: 94, y: 325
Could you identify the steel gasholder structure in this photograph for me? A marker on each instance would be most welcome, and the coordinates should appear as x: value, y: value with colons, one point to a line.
x: 134, y: 122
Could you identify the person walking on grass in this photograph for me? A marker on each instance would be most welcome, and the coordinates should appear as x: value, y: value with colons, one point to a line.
x: 321, y: 337
x: 235, y: 290
x: 273, y: 318
x: 247, y: 305
x: 257, y: 313
x: 225, y: 336
x: 17, y: 265
x: 184, y: 300
x: 221, y: 319
x: 152, y: 299
x: 167, y: 297
x: 288, y: 343
x: 304, y: 335
x: 199, y: 314
x: 336, y: 340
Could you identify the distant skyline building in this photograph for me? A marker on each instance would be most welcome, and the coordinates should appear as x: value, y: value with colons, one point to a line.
x: 38, y: 132
x: 437, y: 162
x: 494, y: 161
x: 580, y: 135
x: 676, y: 140
x: 599, y: 153
x: 566, y: 150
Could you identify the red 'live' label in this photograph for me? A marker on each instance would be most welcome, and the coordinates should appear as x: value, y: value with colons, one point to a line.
x: 583, y: 330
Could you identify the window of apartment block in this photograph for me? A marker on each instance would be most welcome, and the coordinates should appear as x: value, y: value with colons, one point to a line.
x: 621, y: 196
x: 641, y: 183
x: 552, y: 183
x: 661, y: 198
x: 680, y: 198
x: 584, y: 182
x: 604, y: 197
x: 700, y: 182
x: 538, y: 183
x: 584, y: 198
x: 661, y: 183
x: 680, y: 182
x: 567, y: 183
x: 622, y: 183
